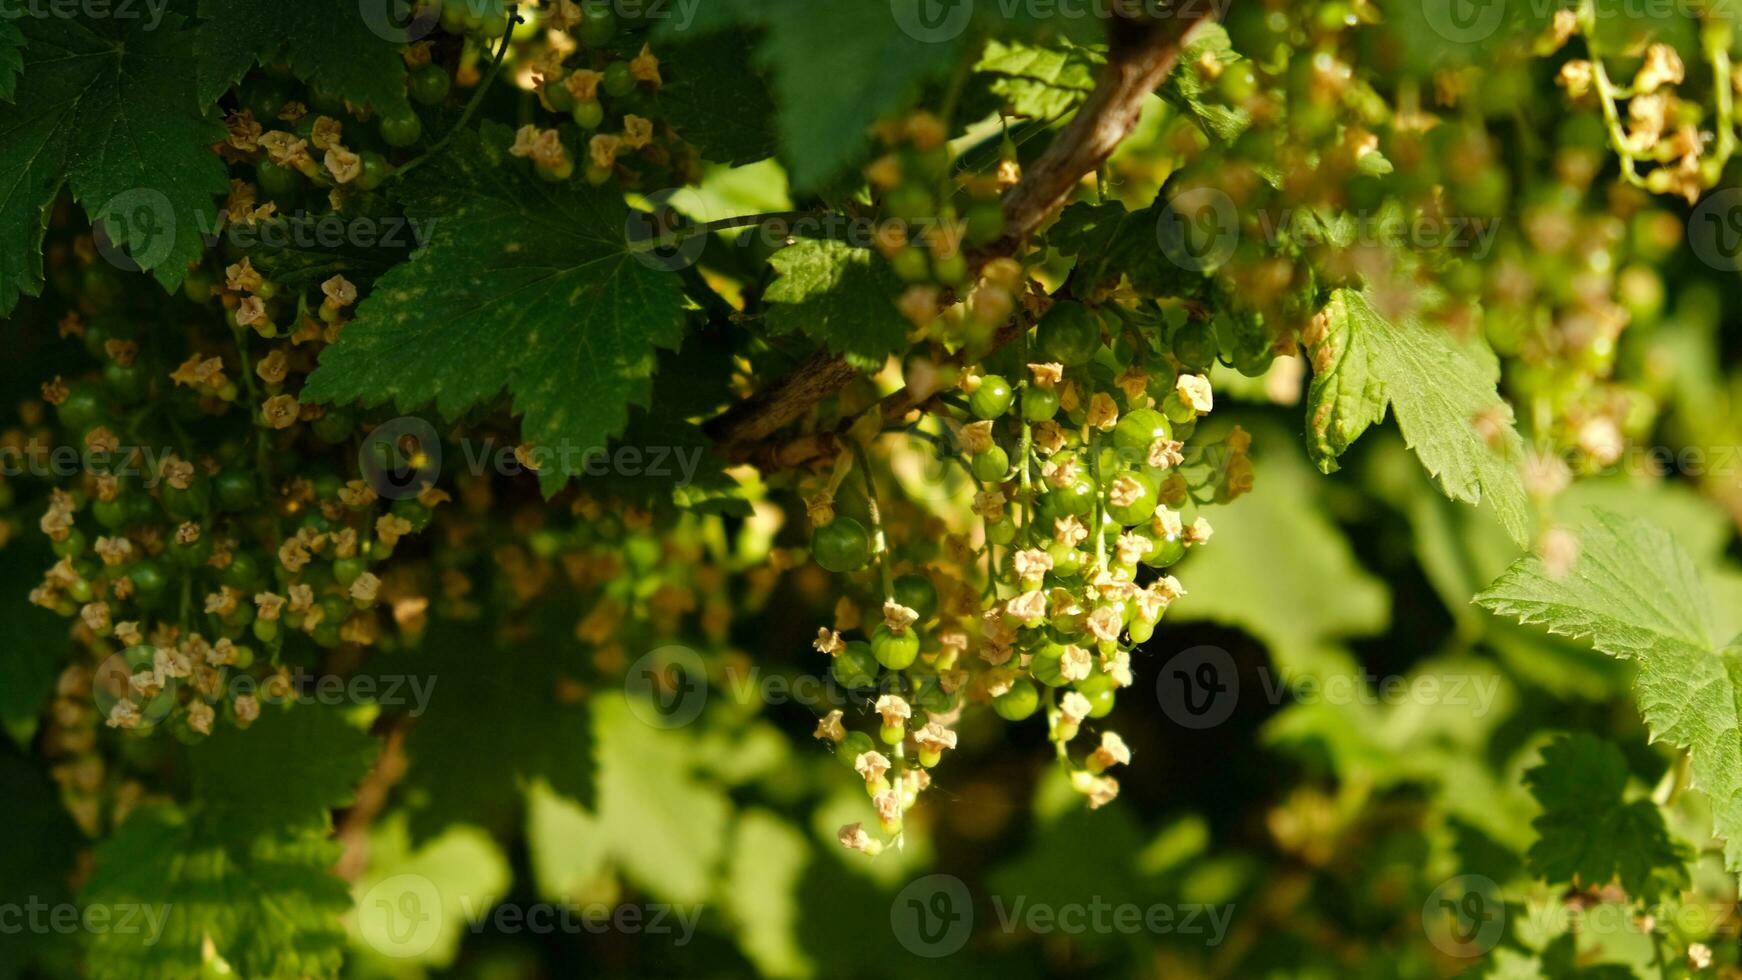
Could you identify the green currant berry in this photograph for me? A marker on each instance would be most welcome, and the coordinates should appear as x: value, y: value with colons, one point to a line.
x: 83, y: 408
x: 910, y: 201
x: 265, y: 630
x: 1137, y: 431
x: 1018, y: 703
x: 73, y: 544
x: 588, y: 115
x: 1141, y: 631
x: 129, y: 384
x: 1001, y: 533
x: 856, y: 667
x: 1099, y: 688
x: 917, y: 593
x: 335, y: 427
x: 1047, y: 665
x: 897, y: 651
x: 1177, y: 411
x: 348, y: 570
x: 243, y: 571
x: 401, y: 129
x: 992, y: 465
x: 1069, y: 334
x: 191, y: 555
x: 892, y: 734
x: 111, y: 514
x: 992, y: 399
x: 852, y: 747
x: 619, y: 80
x: 951, y: 270
x: 598, y: 25
x: 842, y: 545
x: 1075, y: 498
x: 1168, y: 551
x: 277, y: 181
x: 985, y: 222
x: 414, y: 513
x: 431, y: 84
x: 375, y: 171
x: 1194, y: 345
x: 912, y: 265
x: 236, y: 491
x: 189, y: 504
x: 1142, y: 507
x: 1039, y: 404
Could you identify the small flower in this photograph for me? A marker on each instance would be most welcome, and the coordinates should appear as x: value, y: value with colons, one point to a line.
x: 935, y: 736
x: 200, y: 717
x: 870, y: 766
x: 897, y: 616
x: 325, y: 133
x: 604, y: 149
x: 893, y: 709
x: 247, y: 709
x: 1031, y: 564
x: 977, y: 437
x: 1069, y: 531
x: 271, y: 605
x: 1075, y: 664
x: 1103, y: 411
x: 1047, y: 375
x: 365, y: 587
x: 1130, y: 548
x: 888, y: 806
x: 1194, y: 390
x: 829, y: 727
x: 1134, y: 382
x: 990, y: 505
x: 1028, y: 608
x: 1075, y: 707
x: 1663, y: 66
x: 1061, y: 472
x: 1126, y: 491
x: 1117, y: 665
x: 1111, y: 752
x: 339, y: 291
x: 637, y: 132
x: 1106, y: 623
x: 1101, y: 790
x: 828, y: 641
x: 1166, y: 453
x: 1199, y: 532
x: 854, y: 838
x: 645, y: 67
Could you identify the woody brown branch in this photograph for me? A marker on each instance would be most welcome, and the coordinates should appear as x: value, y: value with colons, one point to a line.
x: 1139, y: 58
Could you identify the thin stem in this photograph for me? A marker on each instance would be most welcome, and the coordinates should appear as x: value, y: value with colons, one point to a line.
x: 472, y: 105
x: 875, y: 513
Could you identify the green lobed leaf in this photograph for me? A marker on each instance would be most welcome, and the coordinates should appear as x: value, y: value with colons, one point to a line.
x: 347, y: 48
x: 11, y: 59
x: 1039, y: 81
x: 1193, y: 93
x: 286, y: 771
x: 494, y: 725
x: 839, y: 296
x: 1109, y: 241
x: 524, y: 284
x: 108, y: 108
x: 454, y: 879
x: 716, y: 100
x: 270, y: 908
x: 1589, y: 834
x: 1441, y: 390
x: 1637, y: 595
x: 838, y: 67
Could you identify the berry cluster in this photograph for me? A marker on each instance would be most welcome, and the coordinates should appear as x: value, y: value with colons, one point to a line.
x: 1083, y: 476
